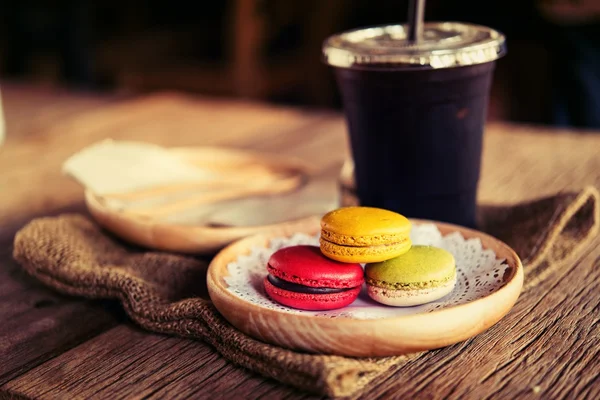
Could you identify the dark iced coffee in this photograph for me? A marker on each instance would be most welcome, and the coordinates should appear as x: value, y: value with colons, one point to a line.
x: 415, y: 115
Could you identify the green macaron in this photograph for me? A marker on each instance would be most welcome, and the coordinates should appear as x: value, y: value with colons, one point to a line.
x: 422, y: 275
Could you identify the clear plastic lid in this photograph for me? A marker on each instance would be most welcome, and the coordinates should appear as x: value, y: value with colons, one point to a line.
x: 443, y: 45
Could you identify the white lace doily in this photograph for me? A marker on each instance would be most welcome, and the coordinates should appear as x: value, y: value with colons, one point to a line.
x: 479, y: 274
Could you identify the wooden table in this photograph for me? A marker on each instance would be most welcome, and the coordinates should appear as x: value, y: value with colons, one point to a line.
x: 53, y: 346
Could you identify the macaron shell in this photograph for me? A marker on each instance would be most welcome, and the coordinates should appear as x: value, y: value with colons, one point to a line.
x: 311, y: 302
x: 364, y: 226
x: 406, y: 298
x: 307, y: 266
x: 420, y: 267
x: 365, y: 254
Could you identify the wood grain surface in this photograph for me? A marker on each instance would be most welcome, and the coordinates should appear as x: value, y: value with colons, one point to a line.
x: 151, y: 366
x: 38, y: 324
x: 60, y: 347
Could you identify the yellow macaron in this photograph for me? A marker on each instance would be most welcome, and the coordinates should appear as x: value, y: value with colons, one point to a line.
x: 364, y: 234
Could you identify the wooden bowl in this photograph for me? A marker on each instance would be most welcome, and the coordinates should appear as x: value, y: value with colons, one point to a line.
x: 365, y: 337
x: 150, y: 228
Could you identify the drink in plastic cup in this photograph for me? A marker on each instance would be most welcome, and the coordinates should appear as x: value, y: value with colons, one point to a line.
x: 415, y: 114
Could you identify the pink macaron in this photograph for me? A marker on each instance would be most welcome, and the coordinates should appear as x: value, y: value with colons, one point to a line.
x: 302, y: 277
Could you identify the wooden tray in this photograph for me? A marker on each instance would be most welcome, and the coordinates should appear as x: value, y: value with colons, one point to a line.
x: 149, y: 226
x: 365, y: 337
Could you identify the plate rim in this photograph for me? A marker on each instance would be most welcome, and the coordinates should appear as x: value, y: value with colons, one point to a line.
x: 163, y: 236
x: 510, y: 292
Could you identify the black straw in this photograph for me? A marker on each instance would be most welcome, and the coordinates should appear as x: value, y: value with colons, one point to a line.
x: 416, y: 9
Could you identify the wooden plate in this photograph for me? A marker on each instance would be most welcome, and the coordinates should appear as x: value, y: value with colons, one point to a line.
x: 152, y: 227
x: 365, y: 337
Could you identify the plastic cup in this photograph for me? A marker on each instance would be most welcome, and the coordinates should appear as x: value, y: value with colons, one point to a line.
x: 416, y: 113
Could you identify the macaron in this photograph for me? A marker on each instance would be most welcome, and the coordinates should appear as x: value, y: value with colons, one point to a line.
x: 364, y: 234
x: 302, y: 277
x: 422, y: 275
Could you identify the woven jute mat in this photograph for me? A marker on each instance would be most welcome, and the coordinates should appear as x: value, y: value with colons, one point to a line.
x: 161, y: 292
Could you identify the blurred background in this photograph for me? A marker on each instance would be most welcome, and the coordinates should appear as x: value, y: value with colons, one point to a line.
x: 269, y: 50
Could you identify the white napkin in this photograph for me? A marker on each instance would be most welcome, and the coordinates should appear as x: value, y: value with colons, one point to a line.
x: 111, y: 167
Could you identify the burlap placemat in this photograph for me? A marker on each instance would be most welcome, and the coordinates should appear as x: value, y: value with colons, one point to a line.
x: 160, y: 292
